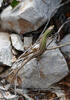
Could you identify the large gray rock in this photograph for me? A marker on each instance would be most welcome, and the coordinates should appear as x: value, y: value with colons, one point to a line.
x: 50, y: 69
x: 65, y: 49
x: 5, y: 49
x: 17, y: 42
x: 1, y: 2
x: 29, y: 15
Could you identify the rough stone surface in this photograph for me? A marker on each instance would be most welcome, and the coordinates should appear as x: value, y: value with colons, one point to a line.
x: 1, y: 2
x: 5, y: 49
x: 17, y: 42
x: 9, y: 96
x: 29, y: 15
x: 27, y: 41
x: 50, y: 69
x: 65, y: 49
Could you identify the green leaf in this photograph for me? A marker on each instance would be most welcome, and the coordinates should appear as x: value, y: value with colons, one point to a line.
x: 14, y: 3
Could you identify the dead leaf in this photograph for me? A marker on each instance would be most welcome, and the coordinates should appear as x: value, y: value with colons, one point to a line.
x: 13, y: 59
x: 19, y: 81
x: 65, y: 83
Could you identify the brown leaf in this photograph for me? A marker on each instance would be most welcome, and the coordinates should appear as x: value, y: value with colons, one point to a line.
x: 19, y: 81
x: 65, y: 83
x: 11, y: 77
x: 21, y: 98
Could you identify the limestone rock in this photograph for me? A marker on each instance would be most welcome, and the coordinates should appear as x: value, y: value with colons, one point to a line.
x: 27, y: 41
x: 1, y: 2
x: 17, y: 42
x: 29, y: 15
x: 65, y: 49
x: 5, y: 49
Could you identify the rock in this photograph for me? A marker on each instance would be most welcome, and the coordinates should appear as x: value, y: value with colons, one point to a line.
x: 65, y: 49
x: 5, y: 49
x: 9, y: 96
x: 27, y: 41
x: 29, y: 15
x: 1, y: 2
x: 17, y: 42
x: 50, y: 69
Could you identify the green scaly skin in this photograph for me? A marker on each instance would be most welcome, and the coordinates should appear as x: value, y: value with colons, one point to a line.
x: 44, y: 39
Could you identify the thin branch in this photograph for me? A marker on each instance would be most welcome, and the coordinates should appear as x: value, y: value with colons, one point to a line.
x: 62, y: 26
x: 58, y: 46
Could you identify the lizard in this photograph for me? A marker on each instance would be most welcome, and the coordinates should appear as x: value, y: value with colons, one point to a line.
x: 42, y: 46
x: 38, y: 53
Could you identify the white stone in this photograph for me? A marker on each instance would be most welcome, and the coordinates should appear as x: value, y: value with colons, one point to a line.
x: 1, y: 2
x: 17, y: 42
x: 65, y: 49
x: 5, y: 49
x: 27, y: 41
x: 29, y: 15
